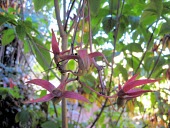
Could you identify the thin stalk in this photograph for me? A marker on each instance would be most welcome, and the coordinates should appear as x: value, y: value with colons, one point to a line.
x: 100, y: 113
x: 65, y: 24
x: 147, y: 47
x: 79, y: 116
x: 120, y: 116
x: 55, y: 110
x: 76, y: 27
x: 157, y: 60
x: 90, y: 31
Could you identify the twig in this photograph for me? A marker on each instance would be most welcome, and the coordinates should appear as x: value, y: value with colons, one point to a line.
x: 120, y: 115
x: 79, y: 116
x: 157, y: 60
x: 148, y: 43
x: 68, y: 15
x: 76, y: 27
x: 100, y: 113
x: 90, y: 31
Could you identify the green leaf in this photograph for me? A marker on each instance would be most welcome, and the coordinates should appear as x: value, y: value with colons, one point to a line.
x: 141, y: 106
x: 108, y: 23
x: 29, y: 26
x: 152, y: 11
x: 134, y: 47
x: 94, y: 6
x: 134, y: 21
x: 165, y: 28
x: 113, y: 5
x: 26, y: 47
x: 43, y: 93
x: 22, y: 116
x: 20, y: 30
x: 108, y: 54
x: 71, y: 65
x: 49, y: 124
x: 89, y: 79
x: 8, y: 36
x: 39, y: 4
x: 120, y: 69
x: 3, y: 19
x: 166, y: 8
x: 42, y: 54
x: 133, y: 62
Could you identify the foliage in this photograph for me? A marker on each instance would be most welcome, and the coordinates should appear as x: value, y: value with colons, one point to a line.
x: 108, y: 42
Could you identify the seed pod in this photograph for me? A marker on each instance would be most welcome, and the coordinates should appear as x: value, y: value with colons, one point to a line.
x: 120, y: 102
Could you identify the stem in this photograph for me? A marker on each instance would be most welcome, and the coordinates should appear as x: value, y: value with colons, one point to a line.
x: 57, y: 12
x: 64, y: 47
x: 64, y: 114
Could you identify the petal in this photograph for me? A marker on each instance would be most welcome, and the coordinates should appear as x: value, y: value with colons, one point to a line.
x: 73, y: 95
x: 42, y: 99
x: 135, y: 83
x: 80, y: 60
x: 133, y: 93
x: 97, y: 54
x: 62, y: 85
x: 85, y: 57
x: 55, y: 47
x: 136, y: 91
x: 43, y: 83
x: 133, y: 78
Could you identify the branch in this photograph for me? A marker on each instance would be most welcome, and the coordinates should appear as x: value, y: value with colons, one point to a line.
x: 157, y: 60
x: 90, y: 31
x: 100, y: 113
x: 143, y: 55
x: 57, y: 12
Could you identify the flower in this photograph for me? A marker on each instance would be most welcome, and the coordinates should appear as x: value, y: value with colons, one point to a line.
x: 55, y: 48
x: 57, y: 53
x: 55, y: 93
x: 128, y: 91
x: 85, y: 60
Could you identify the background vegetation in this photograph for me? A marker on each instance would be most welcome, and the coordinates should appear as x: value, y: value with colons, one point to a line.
x: 134, y: 37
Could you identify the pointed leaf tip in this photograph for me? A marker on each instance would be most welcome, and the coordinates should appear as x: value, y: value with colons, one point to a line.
x: 55, y: 46
x: 42, y: 99
x: 135, y: 83
x: 74, y: 95
x: 43, y: 83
